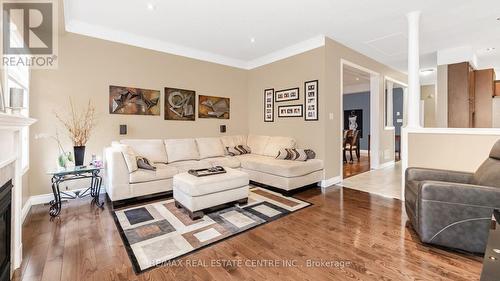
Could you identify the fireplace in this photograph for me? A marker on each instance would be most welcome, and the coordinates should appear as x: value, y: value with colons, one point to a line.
x: 5, y: 228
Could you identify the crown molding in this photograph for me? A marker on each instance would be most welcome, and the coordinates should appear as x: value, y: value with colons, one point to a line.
x: 82, y: 28
x: 289, y: 51
x: 127, y: 38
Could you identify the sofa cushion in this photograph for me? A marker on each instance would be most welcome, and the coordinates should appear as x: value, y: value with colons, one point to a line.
x: 226, y: 161
x: 283, y: 168
x: 128, y: 155
x: 184, y: 166
x: 153, y: 149
x: 232, y: 141
x: 181, y: 150
x: 162, y: 172
x: 210, y: 147
x: 199, y: 186
x: 274, y: 144
x: 487, y: 174
x: 257, y: 143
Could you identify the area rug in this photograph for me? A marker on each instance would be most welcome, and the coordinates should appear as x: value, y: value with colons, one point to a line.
x: 157, y: 233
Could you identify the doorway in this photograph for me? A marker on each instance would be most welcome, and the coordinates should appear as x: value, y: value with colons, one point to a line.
x: 395, y: 111
x: 356, y: 125
x: 359, y: 135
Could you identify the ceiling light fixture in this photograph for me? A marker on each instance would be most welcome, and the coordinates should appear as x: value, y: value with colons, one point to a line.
x: 151, y: 6
x: 489, y: 49
x: 426, y: 71
x: 252, y: 40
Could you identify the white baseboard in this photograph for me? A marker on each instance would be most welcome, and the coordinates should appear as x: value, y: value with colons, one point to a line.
x: 26, y: 209
x: 330, y: 182
x: 43, y: 199
x: 363, y: 152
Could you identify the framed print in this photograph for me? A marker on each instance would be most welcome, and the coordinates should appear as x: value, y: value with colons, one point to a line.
x: 287, y: 95
x: 133, y: 101
x: 290, y: 111
x: 269, y: 105
x: 311, y: 100
x: 213, y: 107
x: 179, y: 104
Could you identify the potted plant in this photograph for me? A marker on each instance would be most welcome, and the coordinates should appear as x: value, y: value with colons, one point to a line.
x: 79, y: 127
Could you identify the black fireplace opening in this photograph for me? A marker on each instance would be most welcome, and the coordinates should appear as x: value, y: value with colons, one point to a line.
x: 5, y: 227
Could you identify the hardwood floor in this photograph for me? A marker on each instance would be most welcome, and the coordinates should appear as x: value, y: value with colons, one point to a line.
x: 367, y: 232
x: 355, y: 168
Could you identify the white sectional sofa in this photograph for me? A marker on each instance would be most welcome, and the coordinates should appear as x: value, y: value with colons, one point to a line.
x: 173, y: 156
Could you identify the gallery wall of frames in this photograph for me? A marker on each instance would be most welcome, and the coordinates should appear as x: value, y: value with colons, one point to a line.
x: 308, y: 110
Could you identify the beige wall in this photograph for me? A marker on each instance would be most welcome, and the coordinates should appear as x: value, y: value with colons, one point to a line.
x: 289, y: 73
x: 450, y: 151
x: 428, y: 95
x: 87, y: 67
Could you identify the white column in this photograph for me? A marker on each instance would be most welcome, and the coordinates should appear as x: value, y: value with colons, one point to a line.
x: 389, y: 117
x: 413, y: 97
x: 413, y: 70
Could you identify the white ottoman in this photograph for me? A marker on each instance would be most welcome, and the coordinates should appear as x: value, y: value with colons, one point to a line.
x: 196, y: 194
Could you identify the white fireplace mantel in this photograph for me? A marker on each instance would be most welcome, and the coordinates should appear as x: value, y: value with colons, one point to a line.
x: 14, y: 122
x: 11, y: 152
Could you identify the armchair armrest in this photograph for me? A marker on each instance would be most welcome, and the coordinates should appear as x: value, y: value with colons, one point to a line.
x: 458, y: 193
x: 423, y: 174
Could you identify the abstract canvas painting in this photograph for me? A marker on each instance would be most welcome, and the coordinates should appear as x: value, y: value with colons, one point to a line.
x: 213, y: 107
x: 134, y: 101
x: 179, y: 104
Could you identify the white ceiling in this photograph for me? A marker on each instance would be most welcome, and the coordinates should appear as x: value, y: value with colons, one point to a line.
x: 221, y: 30
x: 355, y: 80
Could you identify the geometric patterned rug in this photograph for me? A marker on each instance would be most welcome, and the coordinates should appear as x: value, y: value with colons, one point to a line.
x: 154, y: 234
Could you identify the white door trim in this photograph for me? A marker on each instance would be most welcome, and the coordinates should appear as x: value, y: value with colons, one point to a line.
x: 374, y: 113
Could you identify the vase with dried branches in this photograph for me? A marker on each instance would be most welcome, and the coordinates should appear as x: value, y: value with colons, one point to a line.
x: 79, y: 126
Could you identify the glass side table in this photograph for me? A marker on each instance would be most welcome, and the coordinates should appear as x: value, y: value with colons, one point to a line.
x: 75, y: 173
x: 491, y: 263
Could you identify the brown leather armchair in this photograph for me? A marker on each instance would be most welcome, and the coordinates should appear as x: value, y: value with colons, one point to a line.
x: 453, y: 209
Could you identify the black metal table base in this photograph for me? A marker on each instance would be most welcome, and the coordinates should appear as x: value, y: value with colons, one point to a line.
x: 93, y: 190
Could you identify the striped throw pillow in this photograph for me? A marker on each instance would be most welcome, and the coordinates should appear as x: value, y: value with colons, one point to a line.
x: 238, y: 150
x: 292, y: 154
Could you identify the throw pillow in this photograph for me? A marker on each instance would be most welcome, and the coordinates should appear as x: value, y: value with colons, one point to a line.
x: 238, y: 150
x: 292, y: 154
x: 143, y: 163
x: 130, y: 157
x: 310, y: 153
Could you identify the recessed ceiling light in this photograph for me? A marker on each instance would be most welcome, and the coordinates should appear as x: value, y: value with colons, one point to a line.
x: 252, y: 39
x: 426, y: 71
x: 151, y: 6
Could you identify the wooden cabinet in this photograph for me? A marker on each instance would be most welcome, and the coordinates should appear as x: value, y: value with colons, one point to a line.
x: 461, y: 95
x: 497, y: 88
x: 470, y: 96
x: 483, y: 97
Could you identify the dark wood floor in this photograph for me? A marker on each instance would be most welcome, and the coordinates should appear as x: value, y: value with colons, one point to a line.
x: 355, y: 168
x: 367, y: 232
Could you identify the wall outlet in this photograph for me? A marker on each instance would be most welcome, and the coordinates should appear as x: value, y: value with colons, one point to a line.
x: 330, y: 116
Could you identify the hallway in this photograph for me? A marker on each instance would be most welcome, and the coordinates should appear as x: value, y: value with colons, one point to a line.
x: 385, y: 182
